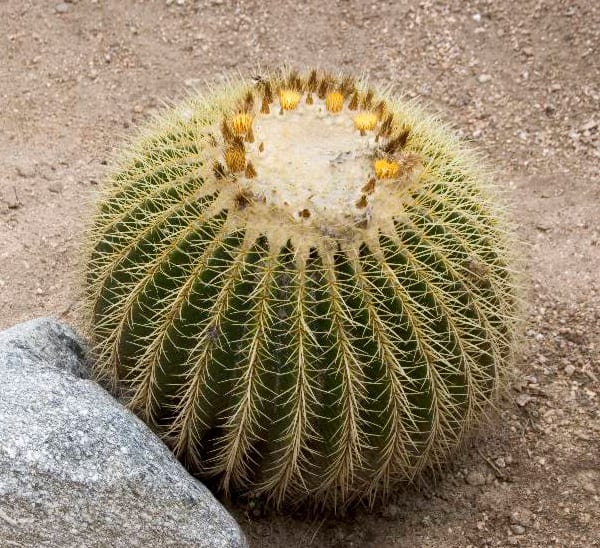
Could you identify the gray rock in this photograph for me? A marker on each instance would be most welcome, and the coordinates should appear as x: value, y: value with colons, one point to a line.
x: 78, y: 469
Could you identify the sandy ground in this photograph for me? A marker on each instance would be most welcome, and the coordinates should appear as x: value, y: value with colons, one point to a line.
x: 521, y: 79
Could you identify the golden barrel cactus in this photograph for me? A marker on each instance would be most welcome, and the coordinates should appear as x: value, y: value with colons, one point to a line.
x: 304, y: 285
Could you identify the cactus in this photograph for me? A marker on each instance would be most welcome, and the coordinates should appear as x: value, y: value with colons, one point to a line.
x: 304, y: 285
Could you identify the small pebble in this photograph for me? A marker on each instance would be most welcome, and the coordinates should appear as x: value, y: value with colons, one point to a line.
x: 589, y: 487
x: 391, y: 511
x: 522, y: 517
x: 484, y: 78
x: 589, y: 125
x: 523, y: 399
x: 476, y: 478
x: 26, y: 170
x: 517, y: 529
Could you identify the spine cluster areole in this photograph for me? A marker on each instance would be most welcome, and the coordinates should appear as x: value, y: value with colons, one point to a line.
x: 305, y: 285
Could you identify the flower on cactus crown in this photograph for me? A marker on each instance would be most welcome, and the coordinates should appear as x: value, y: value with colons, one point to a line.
x: 334, y: 102
x: 235, y: 158
x: 385, y: 169
x: 365, y: 121
x: 289, y: 99
x: 241, y: 123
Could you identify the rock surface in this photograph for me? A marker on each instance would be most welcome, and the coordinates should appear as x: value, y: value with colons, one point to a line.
x: 77, y: 469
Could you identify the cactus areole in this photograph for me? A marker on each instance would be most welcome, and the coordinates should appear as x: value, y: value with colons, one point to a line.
x: 305, y: 285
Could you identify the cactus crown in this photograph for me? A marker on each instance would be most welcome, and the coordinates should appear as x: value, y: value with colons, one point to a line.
x: 305, y: 285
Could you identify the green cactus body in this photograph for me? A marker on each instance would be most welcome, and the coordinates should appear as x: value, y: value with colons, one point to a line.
x: 305, y: 286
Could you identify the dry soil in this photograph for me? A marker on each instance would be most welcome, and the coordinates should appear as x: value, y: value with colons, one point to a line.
x: 520, y: 79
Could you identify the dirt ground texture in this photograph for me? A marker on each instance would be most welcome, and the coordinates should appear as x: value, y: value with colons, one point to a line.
x: 520, y: 79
